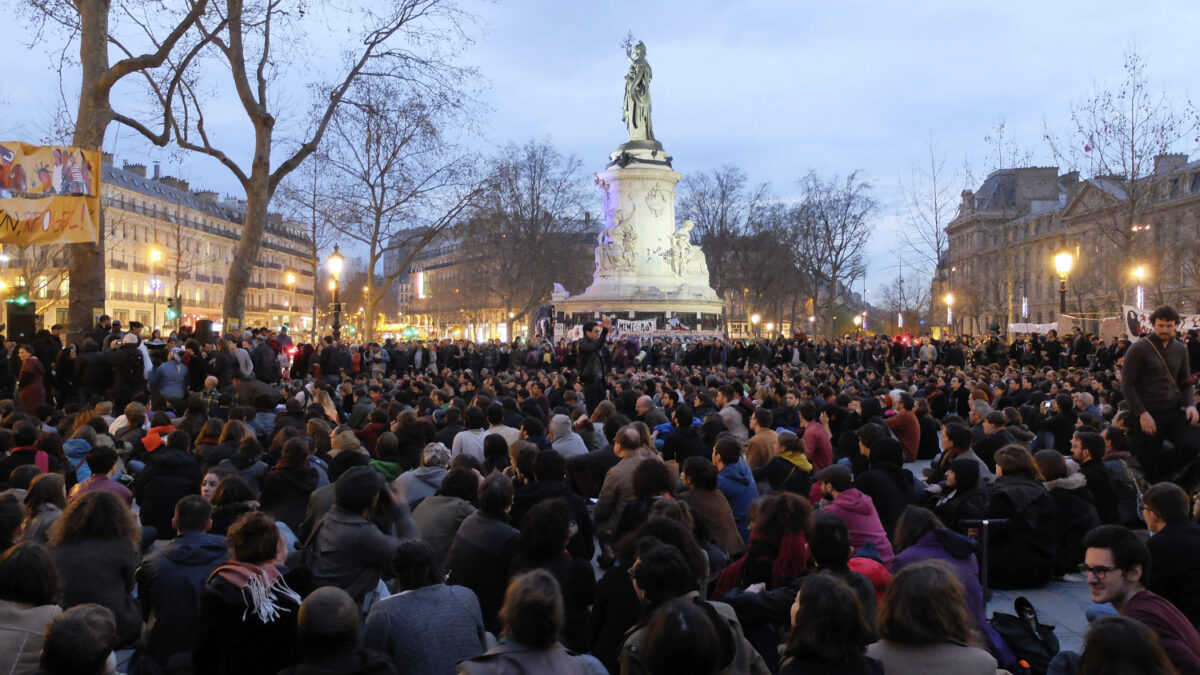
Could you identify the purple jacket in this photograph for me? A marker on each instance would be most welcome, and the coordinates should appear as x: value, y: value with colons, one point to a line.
x: 861, y: 518
x: 959, y: 552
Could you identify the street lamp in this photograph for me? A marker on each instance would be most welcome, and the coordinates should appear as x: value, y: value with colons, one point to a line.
x: 155, y: 256
x: 857, y: 324
x: 291, y: 282
x: 1139, y: 273
x: 1062, y: 264
x: 949, y: 310
x: 770, y: 328
x: 754, y: 319
x: 335, y: 270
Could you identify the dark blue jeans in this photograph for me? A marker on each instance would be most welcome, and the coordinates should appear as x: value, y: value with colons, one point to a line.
x: 1172, y: 424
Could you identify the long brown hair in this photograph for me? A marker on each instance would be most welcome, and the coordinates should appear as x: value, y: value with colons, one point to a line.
x: 95, y: 515
x: 46, y: 488
x: 830, y: 625
x: 924, y: 605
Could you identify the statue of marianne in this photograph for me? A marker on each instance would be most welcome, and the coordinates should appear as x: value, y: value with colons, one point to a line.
x: 636, y: 112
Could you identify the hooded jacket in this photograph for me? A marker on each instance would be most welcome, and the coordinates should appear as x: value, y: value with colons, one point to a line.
x: 566, y: 442
x: 421, y: 482
x: 887, y: 483
x: 959, y: 552
x: 170, y: 582
x: 76, y: 450
x: 170, y: 475
x: 861, y: 518
x: 1077, y: 515
x: 285, y: 493
x: 1024, y: 549
x: 736, y: 482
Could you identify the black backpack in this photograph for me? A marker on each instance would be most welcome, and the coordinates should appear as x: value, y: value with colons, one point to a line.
x: 1033, y: 644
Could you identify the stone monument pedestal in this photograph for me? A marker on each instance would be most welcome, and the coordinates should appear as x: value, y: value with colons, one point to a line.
x: 646, y: 267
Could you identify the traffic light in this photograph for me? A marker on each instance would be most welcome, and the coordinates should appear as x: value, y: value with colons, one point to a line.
x: 21, y: 316
x: 172, y: 311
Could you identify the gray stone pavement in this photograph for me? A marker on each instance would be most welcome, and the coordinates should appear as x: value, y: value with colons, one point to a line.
x: 1060, y: 604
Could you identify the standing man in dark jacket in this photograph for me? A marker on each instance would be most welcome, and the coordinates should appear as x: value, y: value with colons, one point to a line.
x: 92, y: 374
x: 129, y: 375
x: 330, y: 363
x: 170, y: 582
x: 590, y: 357
x: 266, y: 362
x: 1158, y: 387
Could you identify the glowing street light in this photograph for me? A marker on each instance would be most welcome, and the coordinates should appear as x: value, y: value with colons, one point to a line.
x: 949, y: 299
x: 335, y: 263
x: 1063, y: 261
x: 1139, y: 273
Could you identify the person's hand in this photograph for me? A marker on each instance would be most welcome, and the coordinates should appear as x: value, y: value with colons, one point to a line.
x: 756, y: 588
x: 1148, y: 425
x: 1193, y: 415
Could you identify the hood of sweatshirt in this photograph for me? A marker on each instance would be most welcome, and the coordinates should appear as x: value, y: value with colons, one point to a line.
x: 738, y: 473
x: 854, y: 501
x: 430, y: 475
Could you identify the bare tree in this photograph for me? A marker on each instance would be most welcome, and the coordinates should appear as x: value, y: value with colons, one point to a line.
x: 527, y: 229
x: 254, y: 41
x: 1117, y: 132
x: 836, y: 222
x: 929, y: 206
x: 722, y: 205
x: 907, y: 297
x: 158, y: 30
x: 304, y: 201
x: 400, y: 182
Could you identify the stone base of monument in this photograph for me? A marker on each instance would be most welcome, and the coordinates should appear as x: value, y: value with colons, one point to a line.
x: 644, y: 264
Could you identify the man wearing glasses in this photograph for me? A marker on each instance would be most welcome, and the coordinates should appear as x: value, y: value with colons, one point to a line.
x: 1115, y: 564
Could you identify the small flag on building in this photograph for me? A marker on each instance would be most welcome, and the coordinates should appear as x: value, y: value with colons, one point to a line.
x: 1091, y: 143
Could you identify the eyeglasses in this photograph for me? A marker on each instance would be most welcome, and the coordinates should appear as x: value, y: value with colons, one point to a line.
x: 1099, y: 571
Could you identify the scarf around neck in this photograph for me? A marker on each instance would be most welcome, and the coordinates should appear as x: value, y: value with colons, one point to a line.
x: 262, y: 588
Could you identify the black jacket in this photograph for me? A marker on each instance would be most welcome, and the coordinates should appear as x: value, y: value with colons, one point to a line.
x: 128, y: 368
x: 1102, y: 491
x: 480, y: 557
x: 682, y: 443
x: 231, y: 639
x: 170, y: 475
x: 1024, y: 549
x: 1076, y: 517
x: 170, y: 582
x: 1175, y: 567
x: 582, y: 546
x: 285, y: 493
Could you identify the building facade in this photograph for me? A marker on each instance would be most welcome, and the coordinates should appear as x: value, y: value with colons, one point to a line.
x: 164, y: 241
x: 1129, y: 241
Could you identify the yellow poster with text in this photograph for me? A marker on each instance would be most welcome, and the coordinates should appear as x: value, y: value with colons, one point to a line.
x: 48, y: 194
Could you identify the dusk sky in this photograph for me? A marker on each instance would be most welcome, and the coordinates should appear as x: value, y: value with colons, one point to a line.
x: 777, y: 88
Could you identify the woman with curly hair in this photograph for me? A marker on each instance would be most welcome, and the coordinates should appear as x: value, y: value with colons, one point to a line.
x: 94, y: 546
x: 778, y: 550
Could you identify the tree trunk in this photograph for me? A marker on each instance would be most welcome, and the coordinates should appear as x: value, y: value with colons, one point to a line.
x: 85, y: 265
x: 258, y: 197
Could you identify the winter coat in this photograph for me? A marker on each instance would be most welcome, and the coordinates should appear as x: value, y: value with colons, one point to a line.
x: 1076, y: 517
x: 858, y: 512
x: 346, y: 660
x: 285, y: 493
x: 170, y: 582
x: 959, y: 552
x: 236, y: 636
x: 582, y: 545
x: 37, y: 530
x: 129, y: 376
x: 577, y: 580
x: 711, y: 507
x: 76, y: 450
x: 1023, y: 551
x: 682, y: 443
x: 347, y: 551
x: 22, y: 627
x: 248, y: 469
x: 92, y: 374
x: 170, y: 380
x: 438, y: 518
x: 420, y: 483
x: 513, y: 658
x: 170, y: 475
x: 736, y: 482
x: 480, y: 557
x: 101, y: 571
x: 447, y: 618
x: 31, y: 385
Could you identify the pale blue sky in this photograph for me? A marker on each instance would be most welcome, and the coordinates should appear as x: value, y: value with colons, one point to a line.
x: 776, y: 88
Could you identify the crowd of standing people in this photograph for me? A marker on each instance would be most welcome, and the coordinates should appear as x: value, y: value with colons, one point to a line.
x: 248, y: 504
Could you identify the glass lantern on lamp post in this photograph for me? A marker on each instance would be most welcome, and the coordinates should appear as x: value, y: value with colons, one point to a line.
x: 335, y: 263
x: 1063, y: 261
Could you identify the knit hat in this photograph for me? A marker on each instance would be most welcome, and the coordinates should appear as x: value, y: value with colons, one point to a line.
x: 837, y: 475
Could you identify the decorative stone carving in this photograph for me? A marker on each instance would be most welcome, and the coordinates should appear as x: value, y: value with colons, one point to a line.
x: 656, y: 201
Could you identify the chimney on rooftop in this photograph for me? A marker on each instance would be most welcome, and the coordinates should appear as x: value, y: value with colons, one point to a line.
x: 208, y: 196
x: 156, y: 170
x: 135, y: 168
x: 1168, y: 163
x: 106, y: 159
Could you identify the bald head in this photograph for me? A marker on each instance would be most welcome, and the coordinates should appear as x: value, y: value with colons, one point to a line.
x: 627, y: 440
x: 644, y: 404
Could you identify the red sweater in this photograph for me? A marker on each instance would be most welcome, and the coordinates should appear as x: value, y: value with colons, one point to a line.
x: 908, y: 431
x: 1176, y: 634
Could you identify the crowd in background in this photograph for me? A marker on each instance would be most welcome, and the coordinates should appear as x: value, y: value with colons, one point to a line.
x: 245, y: 504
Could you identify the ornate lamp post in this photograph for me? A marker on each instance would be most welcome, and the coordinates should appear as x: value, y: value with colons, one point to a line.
x: 949, y: 310
x: 291, y: 282
x: 754, y: 319
x: 335, y: 270
x: 1062, y: 264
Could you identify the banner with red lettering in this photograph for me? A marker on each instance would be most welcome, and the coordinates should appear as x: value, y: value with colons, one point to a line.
x: 48, y: 194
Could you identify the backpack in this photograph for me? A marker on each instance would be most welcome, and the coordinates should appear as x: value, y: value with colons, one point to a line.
x: 1033, y: 643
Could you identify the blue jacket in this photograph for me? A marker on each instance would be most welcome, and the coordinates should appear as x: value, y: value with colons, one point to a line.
x: 170, y: 582
x: 736, y: 482
x: 170, y: 379
x: 76, y: 450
